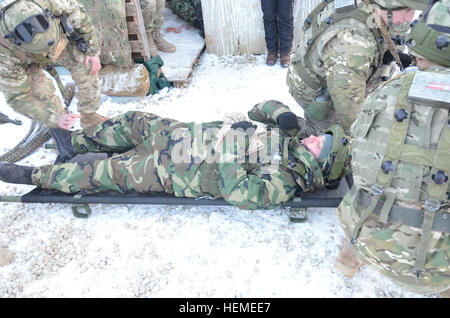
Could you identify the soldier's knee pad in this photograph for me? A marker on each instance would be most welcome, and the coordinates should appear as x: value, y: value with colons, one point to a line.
x: 320, y: 107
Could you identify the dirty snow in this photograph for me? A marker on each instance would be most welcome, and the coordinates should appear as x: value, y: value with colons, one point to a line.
x: 177, y: 251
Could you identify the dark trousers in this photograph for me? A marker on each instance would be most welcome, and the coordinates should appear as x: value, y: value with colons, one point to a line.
x: 278, y: 24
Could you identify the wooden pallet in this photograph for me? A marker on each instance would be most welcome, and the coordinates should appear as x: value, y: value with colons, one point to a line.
x: 136, y: 30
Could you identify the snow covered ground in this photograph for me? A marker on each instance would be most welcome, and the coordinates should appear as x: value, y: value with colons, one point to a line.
x: 177, y: 251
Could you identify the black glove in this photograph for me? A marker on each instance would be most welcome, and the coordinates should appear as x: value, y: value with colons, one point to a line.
x: 287, y: 121
x: 244, y: 125
x: 405, y: 59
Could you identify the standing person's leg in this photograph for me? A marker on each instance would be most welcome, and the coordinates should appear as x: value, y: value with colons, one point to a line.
x: 269, y: 8
x: 161, y: 44
x: 149, y: 13
x: 88, y: 93
x: 285, y: 30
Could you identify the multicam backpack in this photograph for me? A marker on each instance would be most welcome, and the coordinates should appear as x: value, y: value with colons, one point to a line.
x: 398, y: 212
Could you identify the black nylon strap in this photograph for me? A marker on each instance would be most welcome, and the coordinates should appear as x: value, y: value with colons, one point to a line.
x: 409, y: 217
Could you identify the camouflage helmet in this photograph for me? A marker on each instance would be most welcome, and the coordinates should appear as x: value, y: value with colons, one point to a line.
x: 430, y: 37
x: 16, y: 14
x: 338, y: 162
x: 401, y: 4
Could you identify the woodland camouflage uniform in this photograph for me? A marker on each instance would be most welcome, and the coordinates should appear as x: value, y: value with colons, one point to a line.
x: 149, y: 146
x: 337, y: 59
x: 189, y: 10
x: 29, y: 91
x: 396, y: 215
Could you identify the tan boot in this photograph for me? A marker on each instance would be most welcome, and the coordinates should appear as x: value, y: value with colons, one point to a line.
x: 151, y: 44
x: 91, y: 119
x: 162, y: 44
x: 346, y: 262
x: 445, y: 294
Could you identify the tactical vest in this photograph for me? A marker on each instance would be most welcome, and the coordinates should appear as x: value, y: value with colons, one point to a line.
x: 323, y: 18
x: 401, y: 156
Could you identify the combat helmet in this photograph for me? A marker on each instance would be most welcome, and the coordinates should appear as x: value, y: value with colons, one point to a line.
x: 28, y: 25
x: 326, y: 172
x: 430, y: 36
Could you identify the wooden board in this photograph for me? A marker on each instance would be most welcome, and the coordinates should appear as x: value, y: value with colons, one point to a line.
x: 136, y: 30
x: 234, y: 27
x: 178, y: 65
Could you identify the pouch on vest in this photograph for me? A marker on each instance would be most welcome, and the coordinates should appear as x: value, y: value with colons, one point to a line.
x: 320, y: 107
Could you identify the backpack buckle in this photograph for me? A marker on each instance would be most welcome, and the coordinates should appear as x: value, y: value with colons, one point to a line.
x: 377, y: 190
x: 432, y: 206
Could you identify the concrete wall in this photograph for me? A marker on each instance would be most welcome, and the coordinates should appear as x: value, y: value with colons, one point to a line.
x: 234, y: 27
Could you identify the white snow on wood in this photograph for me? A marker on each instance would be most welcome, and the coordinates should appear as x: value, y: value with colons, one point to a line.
x: 178, y: 251
x: 178, y: 65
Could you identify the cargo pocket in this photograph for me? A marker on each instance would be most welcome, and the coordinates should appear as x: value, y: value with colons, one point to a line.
x: 363, y: 123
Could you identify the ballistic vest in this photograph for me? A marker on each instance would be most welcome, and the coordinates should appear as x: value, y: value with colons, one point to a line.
x: 324, y: 22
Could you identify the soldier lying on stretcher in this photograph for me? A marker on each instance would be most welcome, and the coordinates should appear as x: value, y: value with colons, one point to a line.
x: 252, y: 165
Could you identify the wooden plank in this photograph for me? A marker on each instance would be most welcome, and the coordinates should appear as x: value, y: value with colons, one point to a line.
x: 130, y: 9
x: 136, y: 46
x: 133, y: 28
x: 236, y: 26
x: 146, y: 49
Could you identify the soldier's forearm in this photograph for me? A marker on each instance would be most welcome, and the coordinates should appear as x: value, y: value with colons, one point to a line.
x: 267, y: 112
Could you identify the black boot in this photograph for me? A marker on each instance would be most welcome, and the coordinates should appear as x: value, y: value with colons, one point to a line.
x: 63, y: 139
x: 12, y: 173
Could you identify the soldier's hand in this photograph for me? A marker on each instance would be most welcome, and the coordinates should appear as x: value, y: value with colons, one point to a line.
x: 95, y: 64
x: 67, y: 121
x: 287, y: 121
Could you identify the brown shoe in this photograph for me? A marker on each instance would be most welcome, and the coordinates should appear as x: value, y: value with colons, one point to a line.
x: 91, y: 119
x: 285, y: 59
x: 445, y: 294
x: 151, y: 44
x: 271, y: 58
x: 346, y: 262
x: 162, y: 44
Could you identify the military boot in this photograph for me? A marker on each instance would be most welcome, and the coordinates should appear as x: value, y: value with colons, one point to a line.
x: 162, y: 44
x: 91, y: 119
x: 151, y: 44
x: 346, y: 262
x: 12, y: 173
x: 63, y: 139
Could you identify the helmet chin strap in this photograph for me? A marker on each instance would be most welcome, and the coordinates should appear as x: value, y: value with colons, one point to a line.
x: 390, y: 15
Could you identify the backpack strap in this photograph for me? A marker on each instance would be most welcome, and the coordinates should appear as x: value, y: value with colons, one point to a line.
x: 396, y: 139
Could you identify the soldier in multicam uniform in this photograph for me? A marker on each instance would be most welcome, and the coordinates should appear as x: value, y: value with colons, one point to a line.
x: 192, y: 160
x: 152, y: 12
x: 190, y: 11
x: 31, y: 37
x: 397, y: 214
x: 334, y: 67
